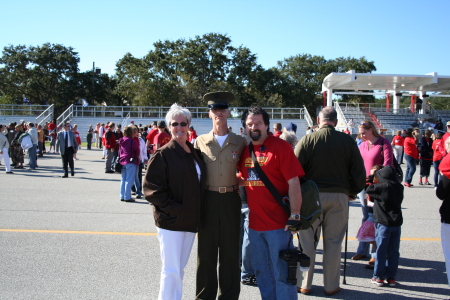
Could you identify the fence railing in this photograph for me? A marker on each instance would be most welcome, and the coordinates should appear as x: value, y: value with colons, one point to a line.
x: 340, y: 115
x: 46, y: 116
x: 308, y: 117
x: 22, y: 110
x: 153, y: 112
x: 373, y: 106
x: 66, y: 115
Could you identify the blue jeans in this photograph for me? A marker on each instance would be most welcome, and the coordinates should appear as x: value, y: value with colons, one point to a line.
x: 128, y: 177
x: 388, y: 247
x: 246, y: 267
x: 271, y: 271
x: 436, y: 172
x: 32, y: 156
x: 410, y: 168
x: 137, y: 182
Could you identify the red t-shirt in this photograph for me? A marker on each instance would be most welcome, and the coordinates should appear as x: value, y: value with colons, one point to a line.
x: 51, y: 126
x: 280, y: 165
x: 77, y: 137
x: 277, y: 134
x: 411, y: 148
x: 151, y: 135
x: 192, y: 135
x: 442, y: 148
x: 398, y: 140
x: 437, y: 153
x: 161, y: 138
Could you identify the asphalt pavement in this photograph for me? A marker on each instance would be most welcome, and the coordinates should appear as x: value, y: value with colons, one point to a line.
x: 72, y: 238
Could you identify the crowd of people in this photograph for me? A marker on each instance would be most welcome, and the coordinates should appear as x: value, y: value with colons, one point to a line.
x: 211, y: 185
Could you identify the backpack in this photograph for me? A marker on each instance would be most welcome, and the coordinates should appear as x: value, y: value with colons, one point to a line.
x: 26, y: 143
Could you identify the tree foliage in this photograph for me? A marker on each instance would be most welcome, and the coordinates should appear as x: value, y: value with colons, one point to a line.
x: 180, y: 71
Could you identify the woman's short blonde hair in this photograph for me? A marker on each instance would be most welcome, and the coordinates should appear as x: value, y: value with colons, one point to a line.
x: 177, y: 110
x: 367, y: 124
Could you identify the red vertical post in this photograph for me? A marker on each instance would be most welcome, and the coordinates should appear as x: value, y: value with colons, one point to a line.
x: 324, y: 98
x: 388, y: 102
x: 413, y: 103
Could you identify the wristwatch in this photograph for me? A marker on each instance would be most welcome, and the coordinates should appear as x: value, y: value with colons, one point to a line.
x: 295, y: 216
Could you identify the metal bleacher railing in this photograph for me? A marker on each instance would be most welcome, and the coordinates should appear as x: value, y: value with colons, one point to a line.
x: 142, y: 112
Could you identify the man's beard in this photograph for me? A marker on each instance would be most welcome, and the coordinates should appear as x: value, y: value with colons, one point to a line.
x: 257, y: 137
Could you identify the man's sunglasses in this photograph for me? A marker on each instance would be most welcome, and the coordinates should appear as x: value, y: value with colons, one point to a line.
x: 182, y: 124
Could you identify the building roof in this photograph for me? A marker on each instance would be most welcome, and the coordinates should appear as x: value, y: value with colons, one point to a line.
x: 387, y: 82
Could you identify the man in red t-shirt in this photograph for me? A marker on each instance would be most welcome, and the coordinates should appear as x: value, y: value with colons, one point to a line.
x: 277, y: 130
x: 162, y: 137
x: 268, y: 233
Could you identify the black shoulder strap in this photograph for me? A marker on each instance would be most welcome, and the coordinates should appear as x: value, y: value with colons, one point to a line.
x: 266, y: 180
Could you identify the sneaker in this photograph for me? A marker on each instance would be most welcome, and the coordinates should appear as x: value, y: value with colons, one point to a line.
x: 420, y: 183
x: 378, y: 281
x: 427, y: 183
x: 390, y: 282
x: 250, y: 281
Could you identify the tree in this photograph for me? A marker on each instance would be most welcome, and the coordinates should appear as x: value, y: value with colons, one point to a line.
x: 37, y: 73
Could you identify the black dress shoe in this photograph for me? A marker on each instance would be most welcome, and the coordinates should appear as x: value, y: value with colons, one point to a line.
x: 72, y: 173
x: 130, y: 200
x: 65, y: 176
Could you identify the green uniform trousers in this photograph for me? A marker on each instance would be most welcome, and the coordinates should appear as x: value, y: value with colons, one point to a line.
x: 219, y: 238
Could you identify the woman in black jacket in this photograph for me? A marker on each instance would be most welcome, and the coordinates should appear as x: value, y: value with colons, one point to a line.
x: 174, y: 184
x: 425, y: 156
x: 443, y: 193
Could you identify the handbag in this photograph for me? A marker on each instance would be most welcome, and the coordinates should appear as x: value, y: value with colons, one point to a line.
x: 311, y: 208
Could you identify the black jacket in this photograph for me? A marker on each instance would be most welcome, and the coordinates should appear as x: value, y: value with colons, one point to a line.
x: 387, y: 196
x: 172, y: 186
x: 443, y: 193
x: 426, y: 152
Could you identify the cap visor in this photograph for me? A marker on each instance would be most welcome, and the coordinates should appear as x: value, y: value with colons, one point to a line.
x: 218, y: 106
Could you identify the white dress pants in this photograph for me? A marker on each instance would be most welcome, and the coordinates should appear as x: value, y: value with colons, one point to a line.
x: 175, y: 249
x: 5, y: 156
x: 445, y: 238
x: 398, y: 153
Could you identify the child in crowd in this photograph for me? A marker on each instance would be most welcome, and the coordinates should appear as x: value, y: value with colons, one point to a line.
x: 387, y: 194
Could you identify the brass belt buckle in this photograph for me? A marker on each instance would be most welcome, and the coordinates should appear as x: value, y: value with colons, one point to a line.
x: 222, y: 189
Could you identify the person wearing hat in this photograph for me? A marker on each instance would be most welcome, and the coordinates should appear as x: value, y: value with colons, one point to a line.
x: 221, y: 214
x: 162, y: 137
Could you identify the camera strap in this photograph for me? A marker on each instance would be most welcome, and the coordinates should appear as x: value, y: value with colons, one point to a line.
x: 266, y: 181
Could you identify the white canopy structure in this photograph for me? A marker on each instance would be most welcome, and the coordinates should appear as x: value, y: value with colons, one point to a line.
x: 385, y: 84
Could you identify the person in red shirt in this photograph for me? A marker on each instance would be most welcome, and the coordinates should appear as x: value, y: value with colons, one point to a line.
x: 397, y: 142
x: 150, y: 137
x: 411, y: 155
x: 268, y: 233
x: 444, y: 138
x: 162, y: 137
x: 346, y: 131
x: 277, y: 130
x: 192, y: 135
x: 437, y: 157
x: 110, y: 147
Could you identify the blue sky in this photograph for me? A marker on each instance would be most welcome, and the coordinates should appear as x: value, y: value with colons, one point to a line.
x: 401, y: 37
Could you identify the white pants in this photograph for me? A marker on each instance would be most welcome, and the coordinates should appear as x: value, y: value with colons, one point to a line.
x: 175, y: 249
x: 445, y: 237
x: 5, y: 156
x: 398, y: 152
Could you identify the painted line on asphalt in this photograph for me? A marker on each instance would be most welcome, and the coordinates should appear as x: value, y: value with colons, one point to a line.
x: 155, y: 234
x: 79, y: 232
